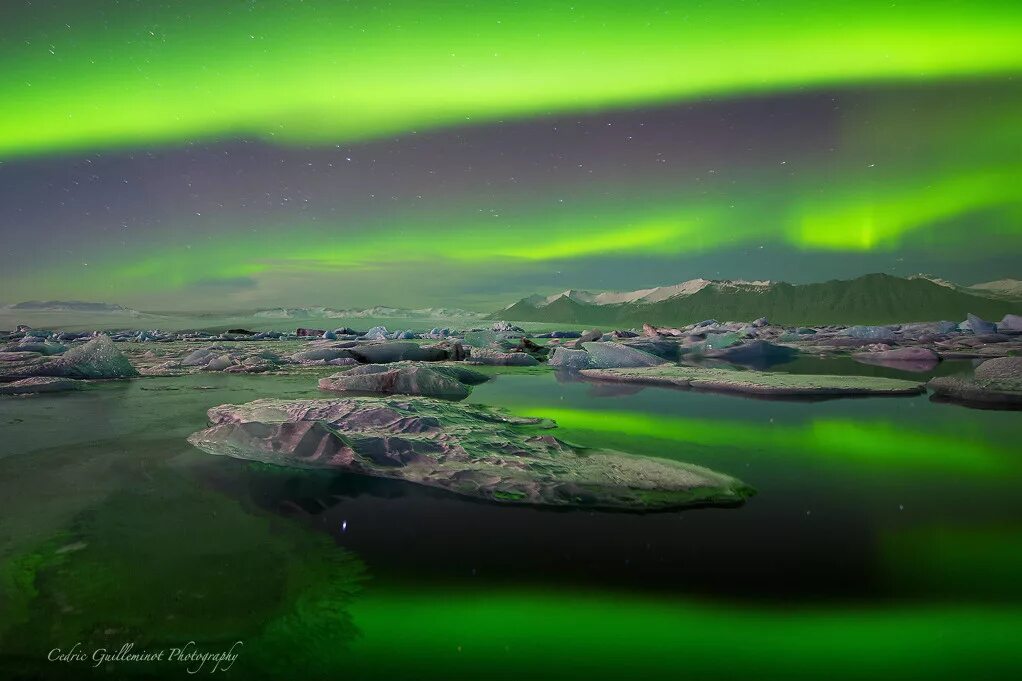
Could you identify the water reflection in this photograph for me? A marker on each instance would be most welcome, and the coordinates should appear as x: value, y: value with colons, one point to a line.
x: 883, y: 529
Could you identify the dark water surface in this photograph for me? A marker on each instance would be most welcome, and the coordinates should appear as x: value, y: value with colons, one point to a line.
x: 885, y: 541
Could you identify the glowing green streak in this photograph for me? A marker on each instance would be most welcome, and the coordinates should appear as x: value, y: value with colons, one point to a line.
x: 535, y: 634
x: 308, y: 248
x: 329, y: 71
x: 894, y: 179
x: 881, y: 216
x: 857, y: 442
x: 860, y: 214
x: 870, y: 217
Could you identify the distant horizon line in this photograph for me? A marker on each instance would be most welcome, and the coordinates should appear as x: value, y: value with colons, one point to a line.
x: 12, y: 307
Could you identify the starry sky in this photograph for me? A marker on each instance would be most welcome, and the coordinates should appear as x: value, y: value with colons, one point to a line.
x: 237, y: 155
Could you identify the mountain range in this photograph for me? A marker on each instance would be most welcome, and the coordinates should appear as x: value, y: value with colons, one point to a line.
x: 378, y: 312
x: 70, y: 306
x: 869, y: 299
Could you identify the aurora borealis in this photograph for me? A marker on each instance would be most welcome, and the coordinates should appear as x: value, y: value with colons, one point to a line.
x: 197, y: 155
x: 229, y: 417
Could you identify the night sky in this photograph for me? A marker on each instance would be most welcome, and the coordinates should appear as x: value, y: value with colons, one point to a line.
x: 218, y: 155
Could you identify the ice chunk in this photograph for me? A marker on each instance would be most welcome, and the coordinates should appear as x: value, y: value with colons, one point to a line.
x: 617, y: 356
x: 565, y: 358
x: 96, y: 359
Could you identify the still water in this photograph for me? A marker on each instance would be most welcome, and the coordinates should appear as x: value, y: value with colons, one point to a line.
x: 885, y: 541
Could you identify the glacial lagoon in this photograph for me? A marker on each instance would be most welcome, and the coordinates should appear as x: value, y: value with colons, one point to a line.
x: 883, y: 537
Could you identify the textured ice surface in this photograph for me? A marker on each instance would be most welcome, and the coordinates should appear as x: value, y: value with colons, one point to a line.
x: 615, y: 355
x: 404, y: 379
x: 466, y: 449
x: 566, y: 358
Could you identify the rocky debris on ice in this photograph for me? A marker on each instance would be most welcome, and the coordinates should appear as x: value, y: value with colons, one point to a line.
x: 40, y: 384
x: 995, y: 382
x: 466, y: 449
x: 42, y: 346
x: 758, y: 354
x: 506, y: 327
x: 496, y: 358
x: 483, y: 338
x: 919, y: 360
x: 98, y: 358
x: 1011, y: 322
x: 451, y: 349
x: 559, y: 334
x: 617, y: 355
x: 223, y: 358
x: 669, y: 350
x: 322, y: 355
x: 1003, y: 370
x: 569, y: 359
x: 445, y: 382
x: 977, y: 325
x: 873, y: 333
x: 529, y: 347
x: 380, y: 333
x: 201, y: 356
x: 396, y: 351
x: 757, y: 382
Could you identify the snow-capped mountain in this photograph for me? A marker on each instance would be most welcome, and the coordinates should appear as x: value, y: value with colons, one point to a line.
x: 1007, y: 289
x: 936, y: 280
x: 870, y: 299
x: 1010, y: 289
x: 646, y: 295
x: 71, y: 306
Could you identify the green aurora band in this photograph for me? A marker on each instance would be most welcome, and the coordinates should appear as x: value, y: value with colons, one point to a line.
x: 654, y: 225
x: 922, y: 166
x: 886, y: 188
x: 310, y: 71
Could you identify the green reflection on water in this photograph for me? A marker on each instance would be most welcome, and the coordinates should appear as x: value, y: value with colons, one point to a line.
x: 533, y: 634
x: 871, y: 443
x: 289, y: 592
x: 170, y: 563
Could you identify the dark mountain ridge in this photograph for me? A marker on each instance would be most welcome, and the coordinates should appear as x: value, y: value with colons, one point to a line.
x: 870, y: 299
